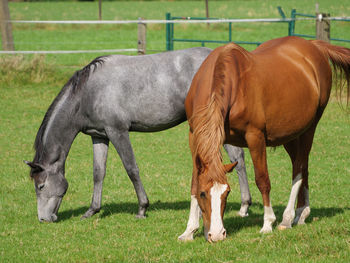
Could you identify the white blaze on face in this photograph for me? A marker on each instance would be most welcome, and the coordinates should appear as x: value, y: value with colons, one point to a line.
x: 216, y: 191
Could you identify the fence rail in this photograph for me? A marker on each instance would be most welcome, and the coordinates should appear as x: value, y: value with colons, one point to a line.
x: 184, y: 20
x: 322, y: 20
x: 69, y: 51
x: 169, y: 22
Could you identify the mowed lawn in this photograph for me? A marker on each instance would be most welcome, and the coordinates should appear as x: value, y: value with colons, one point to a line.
x: 29, y: 84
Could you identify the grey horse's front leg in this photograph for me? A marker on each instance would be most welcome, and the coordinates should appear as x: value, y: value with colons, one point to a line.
x: 237, y: 154
x: 100, y: 147
x: 121, y: 142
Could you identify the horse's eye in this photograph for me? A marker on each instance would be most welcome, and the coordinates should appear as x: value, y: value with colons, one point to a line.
x: 41, y: 186
x: 202, y: 195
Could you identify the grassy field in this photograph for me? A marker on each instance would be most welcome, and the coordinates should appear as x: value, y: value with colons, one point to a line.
x: 29, y: 84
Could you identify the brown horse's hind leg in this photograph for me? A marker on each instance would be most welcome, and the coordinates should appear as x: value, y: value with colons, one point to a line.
x: 303, y: 206
x: 257, y: 147
x: 292, y: 149
x: 298, y: 151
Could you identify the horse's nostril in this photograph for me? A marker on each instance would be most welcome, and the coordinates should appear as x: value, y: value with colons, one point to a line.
x: 53, y: 218
x: 209, y: 238
x: 224, y: 233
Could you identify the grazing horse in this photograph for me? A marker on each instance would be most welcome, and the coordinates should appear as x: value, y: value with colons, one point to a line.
x: 107, y: 99
x: 274, y: 95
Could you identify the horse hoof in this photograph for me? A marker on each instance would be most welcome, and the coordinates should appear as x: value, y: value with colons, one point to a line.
x: 140, y: 216
x: 242, y: 214
x: 89, y: 213
x: 283, y: 227
x: 184, y: 237
x: 85, y: 216
x: 266, y: 230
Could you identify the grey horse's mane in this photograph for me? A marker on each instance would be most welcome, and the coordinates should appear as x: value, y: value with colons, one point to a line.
x: 74, y: 84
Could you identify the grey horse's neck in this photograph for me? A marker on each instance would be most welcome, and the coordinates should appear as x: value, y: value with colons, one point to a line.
x: 57, y: 130
x: 62, y: 123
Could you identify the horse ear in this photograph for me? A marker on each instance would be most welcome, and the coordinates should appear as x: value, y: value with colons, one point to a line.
x: 229, y: 167
x: 37, y: 168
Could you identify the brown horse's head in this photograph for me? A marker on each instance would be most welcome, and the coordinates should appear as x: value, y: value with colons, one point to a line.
x: 211, y: 195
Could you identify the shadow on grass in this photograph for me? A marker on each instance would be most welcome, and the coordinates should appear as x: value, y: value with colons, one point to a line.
x: 124, y: 208
x: 132, y: 208
x: 236, y: 223
x: 232, y: 224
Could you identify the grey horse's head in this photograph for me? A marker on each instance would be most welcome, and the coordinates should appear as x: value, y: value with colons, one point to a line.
x: 50, y: 187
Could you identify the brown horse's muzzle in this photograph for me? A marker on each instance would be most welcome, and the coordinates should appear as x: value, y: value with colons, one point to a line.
x: 215, y: 237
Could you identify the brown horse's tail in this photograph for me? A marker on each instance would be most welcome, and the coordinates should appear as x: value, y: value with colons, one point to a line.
x: 340, y: 58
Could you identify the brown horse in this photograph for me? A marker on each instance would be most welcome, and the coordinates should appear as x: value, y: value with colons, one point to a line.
x: 274, y: 95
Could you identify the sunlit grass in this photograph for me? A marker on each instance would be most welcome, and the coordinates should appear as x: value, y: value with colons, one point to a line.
x: 165, y: 164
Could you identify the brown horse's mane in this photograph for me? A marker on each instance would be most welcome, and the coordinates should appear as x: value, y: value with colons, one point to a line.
x: 208, y: 121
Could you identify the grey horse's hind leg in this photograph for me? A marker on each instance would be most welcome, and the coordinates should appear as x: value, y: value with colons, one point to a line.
x: 121, y: 142
x: 237, y: 154
x: 100, y: 157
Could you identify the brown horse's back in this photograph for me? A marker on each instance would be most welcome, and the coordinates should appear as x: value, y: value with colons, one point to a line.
x: 282, y: 90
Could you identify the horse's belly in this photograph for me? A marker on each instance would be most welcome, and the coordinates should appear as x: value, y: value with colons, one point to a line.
x: 287, y: 125
x: 290, y: 108
x: 158, y: 124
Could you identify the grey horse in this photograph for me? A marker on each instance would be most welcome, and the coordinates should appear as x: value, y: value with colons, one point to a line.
x: 107, y: 99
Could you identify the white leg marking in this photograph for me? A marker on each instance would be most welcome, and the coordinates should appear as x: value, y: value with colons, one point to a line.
x: 216, y: 191
x: 269, y: 219
x: 193, y: 220
x: 289, y: 213
x: 243, y: 212
x: 303, y: 212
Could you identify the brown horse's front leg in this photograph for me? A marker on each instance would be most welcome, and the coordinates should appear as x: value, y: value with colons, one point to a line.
x: 195, y: 211
x: 257, y: 147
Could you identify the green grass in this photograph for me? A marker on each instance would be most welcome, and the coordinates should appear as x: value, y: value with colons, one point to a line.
x: 164, y: 160
x: 29, y: 84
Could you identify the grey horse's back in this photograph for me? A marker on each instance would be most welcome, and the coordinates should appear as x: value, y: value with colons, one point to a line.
x: 142, y: 93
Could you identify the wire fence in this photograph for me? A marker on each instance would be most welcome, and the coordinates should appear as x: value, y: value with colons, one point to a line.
x: 183, y: 20
x: 69, y: 51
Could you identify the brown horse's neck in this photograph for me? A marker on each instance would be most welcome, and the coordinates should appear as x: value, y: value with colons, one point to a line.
x: 207, y: 122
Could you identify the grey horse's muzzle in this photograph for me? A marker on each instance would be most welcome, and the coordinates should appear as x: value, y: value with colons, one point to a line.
x: 48, y: 208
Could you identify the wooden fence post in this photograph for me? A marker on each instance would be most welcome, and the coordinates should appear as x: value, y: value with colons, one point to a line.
x: 323, y: 27
x: 207, y: 11
x: 6, y: 28
x: 99, y: 9
x: 141, y: 38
